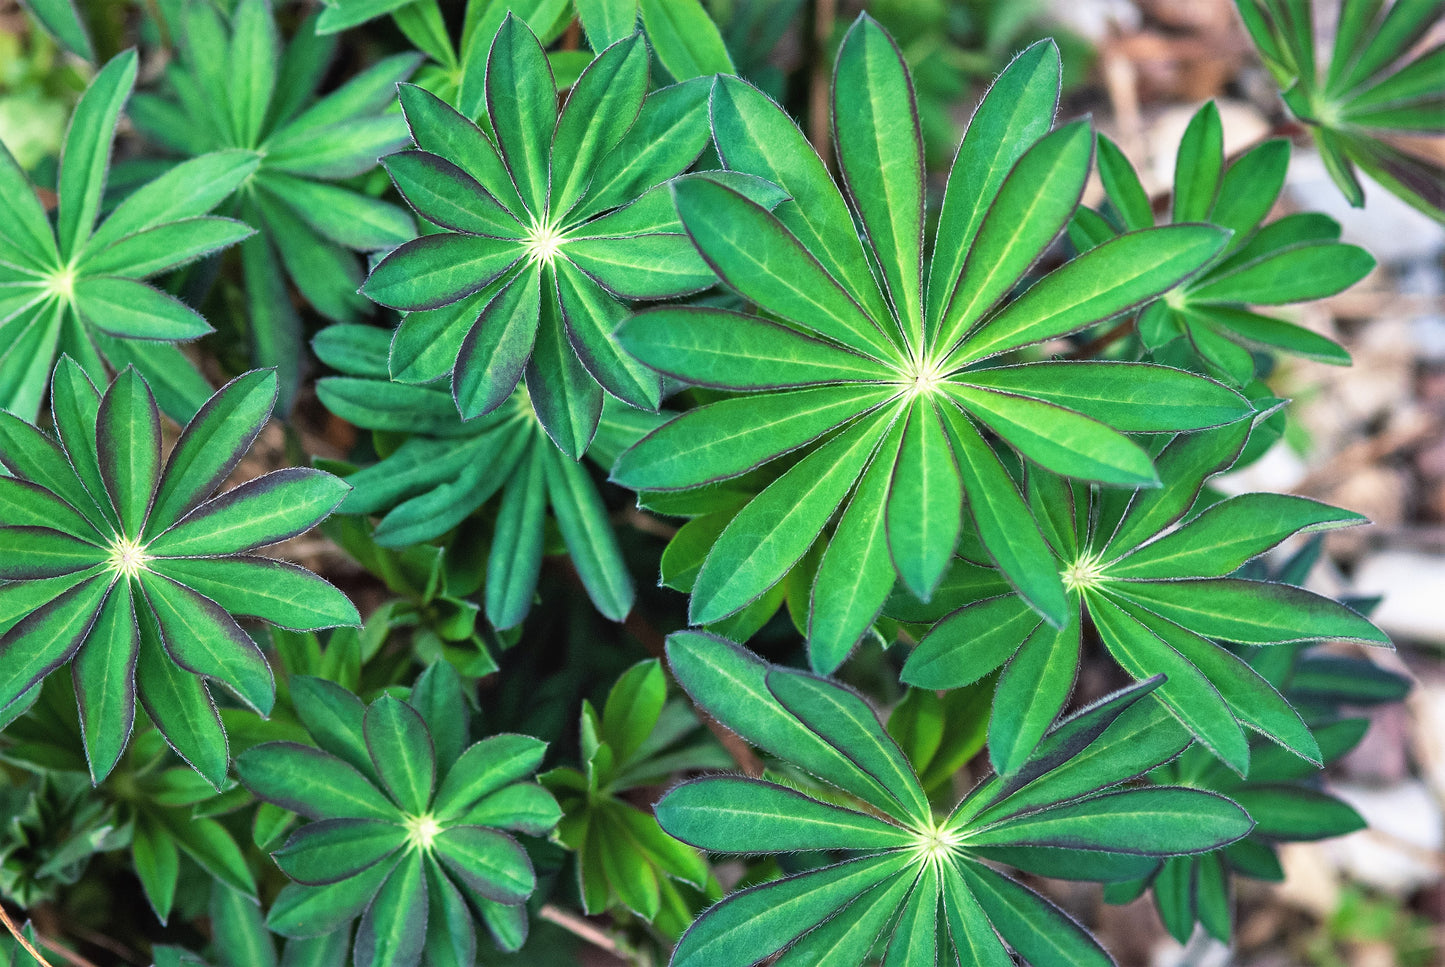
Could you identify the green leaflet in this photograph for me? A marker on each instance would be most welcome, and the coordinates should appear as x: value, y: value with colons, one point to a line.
x: 686, y: 40
x: 390, y: 842
x: 1280, y: 792
x: 401, y: 751
x: 449, y: 469
x: 880, y: 151
x: 790, y: 512
x: 144, y: 602
x: 623, y: 858
x: 797, y: 711
x: 237, y: 88
x: 828, y: 326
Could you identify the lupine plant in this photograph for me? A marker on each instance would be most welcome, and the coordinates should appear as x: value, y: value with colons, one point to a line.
x: 1295, y: 259
x: 643, y: 422
x: 1371, y: 85
x: 126, y: 567
x: 237, y: 86
x: 72, y: 287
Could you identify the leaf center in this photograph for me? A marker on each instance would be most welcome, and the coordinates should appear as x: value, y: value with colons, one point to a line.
x: 128, y: 556
x: 62, y: 284
x: 543, y: 241
x: 922, y: 377
x: 936, y: 844
x: 421, y: 831
x: 1086, y: 571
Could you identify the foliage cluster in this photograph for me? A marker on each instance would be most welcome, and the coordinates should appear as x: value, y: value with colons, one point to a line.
x: 579, y: 305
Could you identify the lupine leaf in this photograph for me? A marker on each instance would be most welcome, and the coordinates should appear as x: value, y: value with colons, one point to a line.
x: 271, y: 508
x: 201, y: 638
x: 85, y: 156
x: 401, y: 752
x: 333, y: 849
x: 312, y: 783
x: 104, y: 676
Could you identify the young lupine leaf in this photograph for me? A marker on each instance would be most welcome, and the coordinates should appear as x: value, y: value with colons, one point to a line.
x: 447, y: 469
x: 1157, y: 596
x: 623, y: 858
x: 870, y: 354
x: 897, y: 846
x: 134, y: 601
x: 77, y: 287
x: 1283, y: 792
x: 257, y: 101
x: 534, y: 274
x: 1368, y: 86
x: 400, y: 834
x: 1209, y: 314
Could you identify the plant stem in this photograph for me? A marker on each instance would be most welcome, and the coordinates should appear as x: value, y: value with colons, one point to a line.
x: 15, y: 932
x: 576, y: 925
x: 825, y: 12
x: 1099, y: 343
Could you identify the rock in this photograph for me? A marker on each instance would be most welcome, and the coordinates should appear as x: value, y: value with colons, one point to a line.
x: 1381, y: 758
x: 1311, y: 879
x: 1401, y: 851
x: 1427, y: 711
x: 1380, y: 380
x: 1097, y: 20
x: 1389, y: 228
x: 1412, y: 582
x: 1202, y: 951
x: 1278, y: 471
x: 1428, y: 335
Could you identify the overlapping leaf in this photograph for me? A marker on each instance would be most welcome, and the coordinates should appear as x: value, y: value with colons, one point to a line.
x: 919, y: 888
x: 407, y: 823
x: 120, y: 565
x: 895, y: 374
x: 1160, y: 597
x: 552, y: 229
x: 1211, y: 317
x: 1369, y: 88
x: 448, y: 468
x: 77, y: 288
x: 236, y: 85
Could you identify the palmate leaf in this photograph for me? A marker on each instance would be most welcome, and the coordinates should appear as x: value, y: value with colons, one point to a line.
x: 1367, y: 88
x: 237, y: 86
x: 77, y: 288
x: 408, y: 825
x: 887, y: 372
x: 447, y: 469
x: 1157, y: 594
x: 1058, y: 815
x: 1295, y: 259
x: 553, y: 228
x: 139, y: 569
